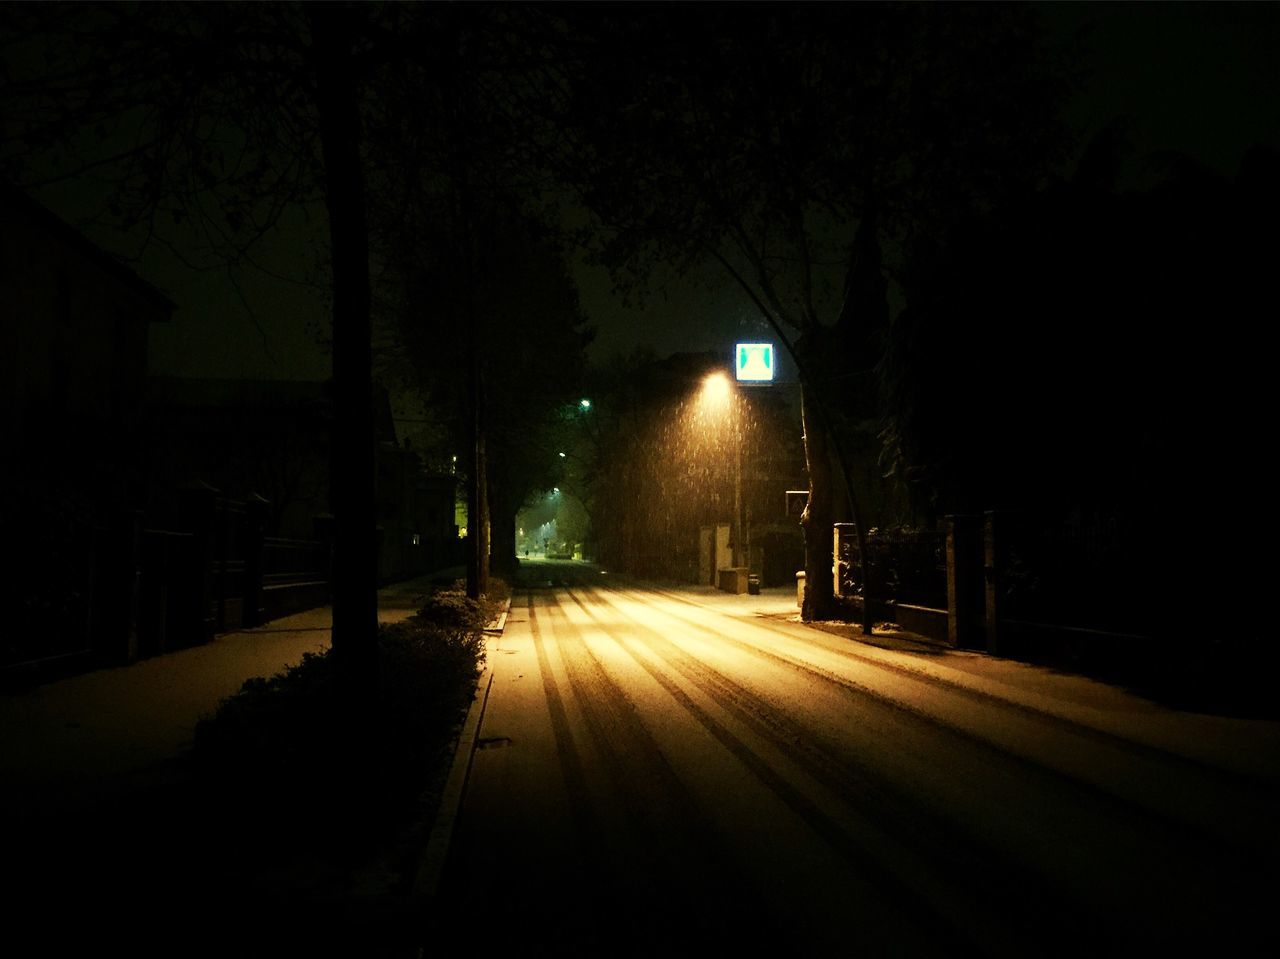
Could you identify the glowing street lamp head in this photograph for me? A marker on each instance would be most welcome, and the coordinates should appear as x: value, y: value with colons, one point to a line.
x: 716, y: 389
x: 585, y: 404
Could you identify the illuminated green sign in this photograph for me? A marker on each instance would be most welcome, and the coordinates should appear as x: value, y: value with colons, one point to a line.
x: 754, y: 362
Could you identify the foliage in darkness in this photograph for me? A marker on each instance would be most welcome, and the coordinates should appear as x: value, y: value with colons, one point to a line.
x: 298, y: 745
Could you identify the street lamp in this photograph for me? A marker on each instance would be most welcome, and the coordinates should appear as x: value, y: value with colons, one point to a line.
x: 717, y: 391
x: 718, y: 395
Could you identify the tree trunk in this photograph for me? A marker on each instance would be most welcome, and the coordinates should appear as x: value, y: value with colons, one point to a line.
x: 485, y: 525
x: 827, y: 465
x: 353, y: 473
x: 477, y: 492
x: 502, y: 546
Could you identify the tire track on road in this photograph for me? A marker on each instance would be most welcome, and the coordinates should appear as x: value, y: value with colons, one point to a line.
x: 1264, y: 789
x: 1015, y: 881
x: 586, y: 825
x: 947, y: 920
x: 1242, y: 853
x: 702, y: 890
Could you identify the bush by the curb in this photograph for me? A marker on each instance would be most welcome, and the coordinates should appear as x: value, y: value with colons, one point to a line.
x: 292, y: 762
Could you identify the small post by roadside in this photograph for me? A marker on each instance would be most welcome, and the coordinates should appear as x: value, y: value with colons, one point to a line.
x: 964, y: 582
x: 993, y: 562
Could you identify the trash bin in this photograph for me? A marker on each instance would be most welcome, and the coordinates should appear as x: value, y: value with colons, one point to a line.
x: 753, y: 584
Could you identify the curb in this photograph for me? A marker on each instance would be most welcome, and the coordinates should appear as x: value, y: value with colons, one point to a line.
x: 498, y: 625
x: 431, y: 861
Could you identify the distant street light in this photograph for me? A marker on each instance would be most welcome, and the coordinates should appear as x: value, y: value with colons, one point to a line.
x: 585, y: 404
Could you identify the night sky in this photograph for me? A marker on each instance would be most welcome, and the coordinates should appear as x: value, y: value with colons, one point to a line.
x: 1202, y: 79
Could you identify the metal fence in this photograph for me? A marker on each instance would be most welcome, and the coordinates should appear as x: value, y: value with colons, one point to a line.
x: 47, y: 593
x: 167, y: 591
x: 120, y: 591
x: 1078, y: 571
x: 906, y: 566
x: 295, y: 575
x: 291, y: 561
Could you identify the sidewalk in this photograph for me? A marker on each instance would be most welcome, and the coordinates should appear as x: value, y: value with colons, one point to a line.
x: 109, y: 841
x: 94, y: 737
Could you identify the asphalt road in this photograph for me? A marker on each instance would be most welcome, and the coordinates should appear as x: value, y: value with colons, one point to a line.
x: 669, y: 772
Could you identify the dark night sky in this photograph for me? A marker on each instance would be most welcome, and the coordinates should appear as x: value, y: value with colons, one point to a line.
x: 1199, y: 78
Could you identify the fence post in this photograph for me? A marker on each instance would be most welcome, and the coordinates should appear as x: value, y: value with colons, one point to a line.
x: 131, y: 545
x: 114, y: 596
x: 199, y: 512
x: 255, y: 527
x: 962, y: 579
x: 323, y: 526
x: 993, y: 568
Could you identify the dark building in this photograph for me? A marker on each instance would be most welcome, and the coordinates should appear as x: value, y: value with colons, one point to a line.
x: 142, y: 515
x: 267, y: 438
x: 416, y: 528
x: 73, y: 353
x: 270, y: 439
x: 73, y: 366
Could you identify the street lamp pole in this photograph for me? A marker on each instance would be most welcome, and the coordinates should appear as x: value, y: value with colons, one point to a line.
x: 738, y: 560
x: 718, y: 394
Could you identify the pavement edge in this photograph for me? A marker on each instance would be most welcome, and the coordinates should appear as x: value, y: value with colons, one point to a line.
x: 431, y: 862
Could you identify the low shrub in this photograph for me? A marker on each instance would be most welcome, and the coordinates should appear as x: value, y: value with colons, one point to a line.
x: 299, y: 760
x: 453, y: 609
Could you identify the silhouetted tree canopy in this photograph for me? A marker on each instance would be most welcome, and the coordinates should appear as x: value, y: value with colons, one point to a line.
x: 223, y: 116
x: 1069, y: 352
x: 806, y: 150
x: 531, y: 335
